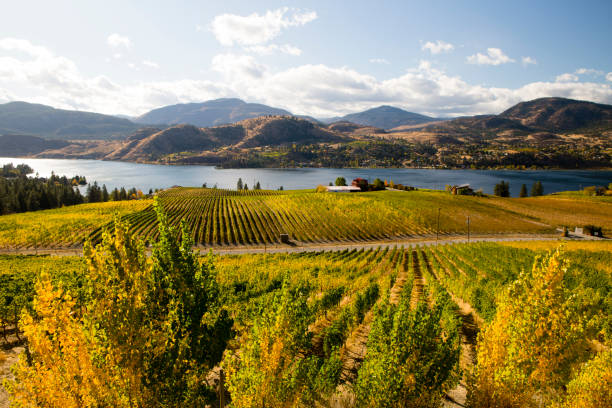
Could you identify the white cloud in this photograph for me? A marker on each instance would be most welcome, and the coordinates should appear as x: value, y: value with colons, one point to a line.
x: 589, y: 71
x: 238, y: 67
x: 230, y: 29
x: 494, y: 56
x: 150, y: 64
x: 528, y: 61
x: 319, y: 90
x: 437, y: 47
x: 379, y: 61
x: 118, y: 41
x: 567, y: 78
x: 273, y: 48
x: 609, y: 76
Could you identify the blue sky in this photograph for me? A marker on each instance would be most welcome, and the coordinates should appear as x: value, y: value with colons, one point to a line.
x: 321, y: 58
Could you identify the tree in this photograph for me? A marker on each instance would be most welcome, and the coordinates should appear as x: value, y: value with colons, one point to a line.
x: 246, y: 186
x: 502, y: 189
x: 378, y: 184
x: 340, y: 181
x: 105, y: 196
x: 534, y: 340
x: 148, y: 334
x: 523, y: 192
x: 537, y: 189
x: 239, y: 185
x: 257, y: 186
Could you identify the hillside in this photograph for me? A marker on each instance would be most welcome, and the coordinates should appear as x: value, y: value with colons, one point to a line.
x: 384, y: 117
x: 542, y: 119
x: 45, y: 121
x: 19, y: 145
x: 149, y: 144
x: 210, y: 113
x: 559, y: 114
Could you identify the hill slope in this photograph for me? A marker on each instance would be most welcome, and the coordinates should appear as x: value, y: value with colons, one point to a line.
x: 384, y: 117
x: 210, y: 113
x: 560, y: 114
x: 152, y: 144
x: 42, y: 120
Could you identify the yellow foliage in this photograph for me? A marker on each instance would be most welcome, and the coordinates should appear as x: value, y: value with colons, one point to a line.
x: 532, y: 343
x: 64, y: 371
x: 592, y: 388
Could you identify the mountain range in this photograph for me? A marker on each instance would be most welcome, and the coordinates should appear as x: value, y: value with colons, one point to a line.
x: 48, y: 122
x: 56, y: 133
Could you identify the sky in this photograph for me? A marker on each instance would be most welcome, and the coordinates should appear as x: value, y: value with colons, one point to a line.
x: 318, y: 58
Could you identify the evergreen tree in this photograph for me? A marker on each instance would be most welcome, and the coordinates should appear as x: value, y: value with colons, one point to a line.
x: 104, y: 193
x: 502, y: 189
x: 537, y: 189
x: 523, y: 192
x: 239, y: 185
x: 257, y: 186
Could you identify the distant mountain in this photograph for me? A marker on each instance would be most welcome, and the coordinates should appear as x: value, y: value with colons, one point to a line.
x: 384, y: 117
x: 210, y: 113
x: 42, y: 120
x: 19, y: 145
x: 560, y: 114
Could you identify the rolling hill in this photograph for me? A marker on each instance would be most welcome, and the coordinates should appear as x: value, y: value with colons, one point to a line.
x: 384, y: 117
x: 210, y: 113
x: 48, y: 122
x: 152, y: 144
x: 540, y: 120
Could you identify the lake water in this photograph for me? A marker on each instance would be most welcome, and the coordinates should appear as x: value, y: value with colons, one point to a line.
x: 151, y: 176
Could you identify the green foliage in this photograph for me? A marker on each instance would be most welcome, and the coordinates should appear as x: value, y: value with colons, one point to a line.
x: 378, y: 184
x: 502, y: 189
x: 537, y: 189
x: 272, y: 369
x: 523, y: 192
x: 340, y: 181
x: 410, y: 362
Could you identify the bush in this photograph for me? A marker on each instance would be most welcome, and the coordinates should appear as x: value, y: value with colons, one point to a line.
x: 341, y: 181
x: 321, y: 189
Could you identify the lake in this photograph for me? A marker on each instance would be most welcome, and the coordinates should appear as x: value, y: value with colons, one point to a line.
x: 151, y: 176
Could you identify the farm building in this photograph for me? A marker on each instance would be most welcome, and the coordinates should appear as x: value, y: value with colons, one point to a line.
x: 343, y: 189
x: 463, y: 189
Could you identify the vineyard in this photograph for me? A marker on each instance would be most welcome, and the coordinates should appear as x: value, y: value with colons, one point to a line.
x: 231, y: 218
x: 223, y: 217
x: 338, y: 320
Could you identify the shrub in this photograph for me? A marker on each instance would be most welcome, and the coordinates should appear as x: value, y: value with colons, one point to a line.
x: 340, y: 181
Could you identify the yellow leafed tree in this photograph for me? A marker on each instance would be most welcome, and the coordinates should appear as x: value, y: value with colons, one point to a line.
x: 527, y: 353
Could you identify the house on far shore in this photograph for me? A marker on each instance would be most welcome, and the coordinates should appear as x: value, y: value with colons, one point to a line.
x: 463, y: 189
x: 343, y: 189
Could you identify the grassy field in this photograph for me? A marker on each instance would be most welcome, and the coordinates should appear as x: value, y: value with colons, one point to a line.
x: 228, y: 218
